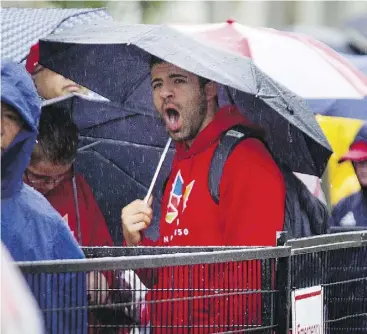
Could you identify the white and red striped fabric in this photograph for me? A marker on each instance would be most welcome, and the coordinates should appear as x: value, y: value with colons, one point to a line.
x: 302, y: 64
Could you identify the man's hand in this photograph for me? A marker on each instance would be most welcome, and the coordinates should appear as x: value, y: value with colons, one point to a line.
x: 136, y: 217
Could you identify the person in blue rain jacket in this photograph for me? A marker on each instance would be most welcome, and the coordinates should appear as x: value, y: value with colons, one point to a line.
x: 352, y: 210
x: 30, y: 228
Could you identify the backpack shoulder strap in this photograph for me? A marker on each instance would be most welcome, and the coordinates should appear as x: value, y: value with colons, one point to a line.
x: 230, y: 139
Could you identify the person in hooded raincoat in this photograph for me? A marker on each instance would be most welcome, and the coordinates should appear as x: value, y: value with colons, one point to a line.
x: 30, y: 228
x: 352, y: 210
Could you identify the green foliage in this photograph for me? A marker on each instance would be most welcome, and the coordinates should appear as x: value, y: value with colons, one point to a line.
x: 150, y: 10
x: 79, y: 4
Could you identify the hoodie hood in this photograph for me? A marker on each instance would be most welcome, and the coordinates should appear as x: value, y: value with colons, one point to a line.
x: 18, y: 91
x: 226, y: 117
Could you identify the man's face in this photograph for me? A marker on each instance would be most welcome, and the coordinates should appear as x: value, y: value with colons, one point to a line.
x: 361, y: 171
x: 49, y: 84
x: 44, y: 176
x: 180, y: 101
x: 11, y: 124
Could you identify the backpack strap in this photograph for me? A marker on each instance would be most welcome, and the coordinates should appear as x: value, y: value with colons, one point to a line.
x: 230, y: 139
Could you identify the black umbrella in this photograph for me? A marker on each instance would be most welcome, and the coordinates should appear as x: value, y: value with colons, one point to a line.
x: 113, y: 60
x: 117, y: 155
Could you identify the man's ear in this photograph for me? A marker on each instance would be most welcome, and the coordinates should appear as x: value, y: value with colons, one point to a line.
x: 210, y: 90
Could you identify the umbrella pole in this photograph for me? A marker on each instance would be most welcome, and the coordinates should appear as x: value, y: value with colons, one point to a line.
x: 325, y: 186
x: 163, y: 156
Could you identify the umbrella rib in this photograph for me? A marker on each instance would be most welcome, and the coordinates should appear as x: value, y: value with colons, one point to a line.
x: 123, y: 143
x: 142, y: 79
x: 121, y: 118
x: 106, y: 160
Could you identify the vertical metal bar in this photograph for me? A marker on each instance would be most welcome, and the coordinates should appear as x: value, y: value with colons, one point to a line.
x: 283, y: 285
x: 266, y: 285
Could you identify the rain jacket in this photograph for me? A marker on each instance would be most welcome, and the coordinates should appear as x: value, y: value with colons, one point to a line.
x: 351, y: 211
x: 250, y: 212
x: 30, y: 228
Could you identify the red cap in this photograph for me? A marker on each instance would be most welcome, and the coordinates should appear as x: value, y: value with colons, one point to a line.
x: 33, y: 58
x: 357, y: 152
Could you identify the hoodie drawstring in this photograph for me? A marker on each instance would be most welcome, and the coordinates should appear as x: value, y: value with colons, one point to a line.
x: 76, y: 203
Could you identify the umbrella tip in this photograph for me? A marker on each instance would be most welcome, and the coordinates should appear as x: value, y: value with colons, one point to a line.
x: 230, y: 21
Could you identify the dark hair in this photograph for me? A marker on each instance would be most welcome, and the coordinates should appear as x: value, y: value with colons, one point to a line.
x: 57, y: 140
x: 154, y: 60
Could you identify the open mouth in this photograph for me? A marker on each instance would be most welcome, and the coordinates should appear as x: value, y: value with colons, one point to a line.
x: 173, y: 119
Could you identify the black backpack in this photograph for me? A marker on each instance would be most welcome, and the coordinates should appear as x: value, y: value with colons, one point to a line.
x: 305, y: 215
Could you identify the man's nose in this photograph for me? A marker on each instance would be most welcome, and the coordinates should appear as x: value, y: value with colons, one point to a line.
x: 166, y: 92
x: 48, y: 186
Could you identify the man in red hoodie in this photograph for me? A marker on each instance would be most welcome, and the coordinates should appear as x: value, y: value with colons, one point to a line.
x: 51, y: 173
x: 252, y: 196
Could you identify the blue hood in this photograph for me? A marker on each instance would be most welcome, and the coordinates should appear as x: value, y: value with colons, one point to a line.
x: 18, y: 91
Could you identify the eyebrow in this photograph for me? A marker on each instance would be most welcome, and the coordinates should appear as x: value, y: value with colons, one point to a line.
x: 13, y: 113
x: 171, y: 76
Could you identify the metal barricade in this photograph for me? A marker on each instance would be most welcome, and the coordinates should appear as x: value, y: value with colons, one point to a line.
x: 337, y: 262
x: 165, y: 290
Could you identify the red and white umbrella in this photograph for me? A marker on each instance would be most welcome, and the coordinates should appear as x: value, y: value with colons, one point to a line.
x: 304, y: 65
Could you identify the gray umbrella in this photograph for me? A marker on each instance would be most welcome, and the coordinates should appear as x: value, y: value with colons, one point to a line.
x: 23, y: 27
x: 112, y: 59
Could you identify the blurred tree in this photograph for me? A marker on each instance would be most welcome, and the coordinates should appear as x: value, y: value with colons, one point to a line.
x: 79, y: 4
x: 150, y: 9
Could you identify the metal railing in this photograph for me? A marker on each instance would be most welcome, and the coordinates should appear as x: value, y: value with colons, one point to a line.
x: 165, y: 290
x: 337, y: 262
x: 203, y: 289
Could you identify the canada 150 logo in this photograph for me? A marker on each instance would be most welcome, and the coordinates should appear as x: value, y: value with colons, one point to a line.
x: 178, y: 192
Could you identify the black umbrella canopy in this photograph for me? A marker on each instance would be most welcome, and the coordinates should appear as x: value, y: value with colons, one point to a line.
x: 112, y: 59
x: 118, y: 152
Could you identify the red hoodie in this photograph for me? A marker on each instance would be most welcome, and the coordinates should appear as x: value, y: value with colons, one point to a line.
x: 250, y: 212
x: 93, y: 227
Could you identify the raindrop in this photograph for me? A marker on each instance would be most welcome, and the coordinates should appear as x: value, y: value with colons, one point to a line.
x: 290, y: 138
x: 290, y: 110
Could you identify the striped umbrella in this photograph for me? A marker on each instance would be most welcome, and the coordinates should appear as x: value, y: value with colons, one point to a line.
x: 23, y: 27
x: 300, y: 63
